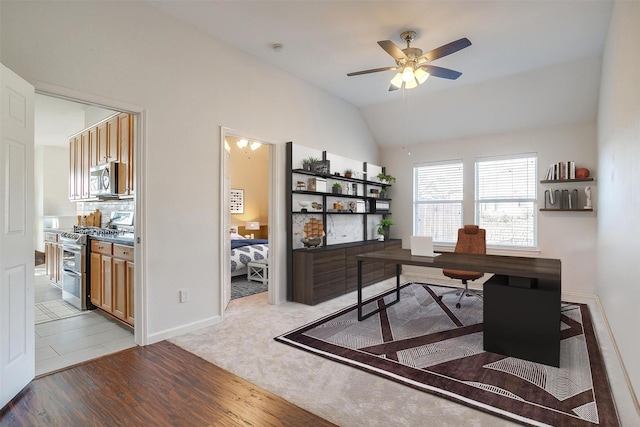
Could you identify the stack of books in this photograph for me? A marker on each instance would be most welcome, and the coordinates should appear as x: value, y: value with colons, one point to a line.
x: 561, y: 170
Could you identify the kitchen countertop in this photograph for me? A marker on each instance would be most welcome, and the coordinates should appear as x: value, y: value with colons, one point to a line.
x: 120, y: 240
x: 126, y: 240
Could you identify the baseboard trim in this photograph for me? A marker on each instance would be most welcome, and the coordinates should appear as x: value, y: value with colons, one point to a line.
x: 181, y: 330
x: 632, y: 392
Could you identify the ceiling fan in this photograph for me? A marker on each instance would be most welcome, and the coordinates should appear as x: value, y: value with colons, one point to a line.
x: 413, y: 64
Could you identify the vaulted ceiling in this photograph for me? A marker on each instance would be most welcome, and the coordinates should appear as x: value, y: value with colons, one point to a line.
x: 531, y: 64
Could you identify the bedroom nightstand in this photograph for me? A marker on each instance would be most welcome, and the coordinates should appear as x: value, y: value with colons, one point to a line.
x: 258, y: 271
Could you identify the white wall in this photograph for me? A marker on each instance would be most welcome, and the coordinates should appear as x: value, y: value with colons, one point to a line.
x: 618, y: 281
x: 569, y: 236
x: 52, y: 191
x: 190, y: 85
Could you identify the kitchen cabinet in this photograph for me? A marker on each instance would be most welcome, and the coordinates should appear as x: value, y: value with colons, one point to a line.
x: 112, y: 283
x: 74, y: 160
x: 53, y: 258
x: 95, y: 281
x: 108, y: 141
x: 83, y: 173
x: 122, y: 282
x: 129, y: 316
x: 101, y: 274
x: 125, y: 154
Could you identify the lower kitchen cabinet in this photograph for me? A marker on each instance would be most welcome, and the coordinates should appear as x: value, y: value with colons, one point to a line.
x: 53, y: 258
x: 122, y: 282
x: 112, y: 283
x: 324, y: 273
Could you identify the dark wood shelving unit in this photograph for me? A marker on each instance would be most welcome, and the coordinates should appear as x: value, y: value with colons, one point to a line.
x: 319, y: 274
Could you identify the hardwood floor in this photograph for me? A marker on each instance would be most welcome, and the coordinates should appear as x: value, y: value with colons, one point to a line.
x: 159, y: 384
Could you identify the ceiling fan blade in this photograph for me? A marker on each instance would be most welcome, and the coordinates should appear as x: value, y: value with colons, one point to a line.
x: 445, y: 73
x: 374, y: 70
x: 447, y: 49
x: 392, y: 49
x: 392, y: 88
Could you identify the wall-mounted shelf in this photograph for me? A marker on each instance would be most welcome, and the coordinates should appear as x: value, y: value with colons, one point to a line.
x: 576, y: 201
x: 565, y: 210
x: 560, y: 181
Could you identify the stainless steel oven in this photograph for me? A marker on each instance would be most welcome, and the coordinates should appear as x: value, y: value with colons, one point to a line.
x: 74, y: 271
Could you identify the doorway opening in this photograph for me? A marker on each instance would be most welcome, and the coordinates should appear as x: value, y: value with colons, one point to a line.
x: 247, y: 217
x: 67, y: 334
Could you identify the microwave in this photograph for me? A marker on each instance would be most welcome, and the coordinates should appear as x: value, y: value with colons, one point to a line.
x: 104, y: 180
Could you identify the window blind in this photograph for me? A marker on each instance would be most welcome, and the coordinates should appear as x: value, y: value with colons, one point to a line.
x: 505, y: 200
x: 438, y: 200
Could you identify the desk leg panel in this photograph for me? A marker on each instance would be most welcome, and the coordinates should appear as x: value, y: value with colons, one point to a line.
x: 522, y: 322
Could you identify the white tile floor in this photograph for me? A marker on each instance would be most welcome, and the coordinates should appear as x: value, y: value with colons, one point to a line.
x: 65, y: 342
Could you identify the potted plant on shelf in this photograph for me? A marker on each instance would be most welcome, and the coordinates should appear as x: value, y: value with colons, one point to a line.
x: 383, y: 177
x: 306, y: 163
x: 348, y: 173
x: 336, y: 188
x: 383, y: 193
x: 383, y: 228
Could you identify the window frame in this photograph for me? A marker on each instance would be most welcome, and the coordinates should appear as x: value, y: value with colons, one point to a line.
x: 417, y: 203
x: 533, y: 199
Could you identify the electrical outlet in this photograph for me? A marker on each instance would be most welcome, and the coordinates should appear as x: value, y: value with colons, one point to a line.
x: 184, y: 295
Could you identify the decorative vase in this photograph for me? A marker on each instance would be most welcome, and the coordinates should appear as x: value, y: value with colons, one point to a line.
x: 582, y: 173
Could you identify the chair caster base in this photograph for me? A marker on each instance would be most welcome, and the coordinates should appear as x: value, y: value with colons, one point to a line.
x: 458, y: 305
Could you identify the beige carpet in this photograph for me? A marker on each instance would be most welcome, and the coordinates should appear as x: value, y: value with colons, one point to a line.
x: 244, y: 345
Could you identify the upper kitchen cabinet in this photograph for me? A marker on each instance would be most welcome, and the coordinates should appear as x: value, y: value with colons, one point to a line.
x: 125, y: 154
x: 111, y: 140
x: 74, y: 192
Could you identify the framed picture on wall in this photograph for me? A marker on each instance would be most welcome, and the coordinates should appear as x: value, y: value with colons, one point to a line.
x: 237, y: 201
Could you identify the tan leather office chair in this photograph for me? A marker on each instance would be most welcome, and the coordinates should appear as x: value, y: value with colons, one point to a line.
x: 471, y: 240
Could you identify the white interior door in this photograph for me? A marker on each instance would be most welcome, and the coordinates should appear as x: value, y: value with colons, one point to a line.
x: 17, y: 323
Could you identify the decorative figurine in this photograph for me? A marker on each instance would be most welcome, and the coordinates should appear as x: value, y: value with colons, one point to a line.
x: 587, y: 191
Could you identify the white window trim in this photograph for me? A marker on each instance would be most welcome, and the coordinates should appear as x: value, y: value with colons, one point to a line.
x: 508, y: 250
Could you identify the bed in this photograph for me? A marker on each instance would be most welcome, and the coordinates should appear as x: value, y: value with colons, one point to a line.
x: 243, y: 251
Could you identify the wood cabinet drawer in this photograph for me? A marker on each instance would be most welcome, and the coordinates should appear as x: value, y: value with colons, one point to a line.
x: 123, y: 252
x: 329, y: 258
x: 101, y: 247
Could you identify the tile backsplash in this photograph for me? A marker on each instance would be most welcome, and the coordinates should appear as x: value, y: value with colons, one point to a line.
x: 106, y: 208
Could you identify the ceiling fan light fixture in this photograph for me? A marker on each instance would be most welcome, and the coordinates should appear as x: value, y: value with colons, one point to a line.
x: 397, y: 81
x: 421, y: 75
x: 411, y: 84
x: 408, y: 74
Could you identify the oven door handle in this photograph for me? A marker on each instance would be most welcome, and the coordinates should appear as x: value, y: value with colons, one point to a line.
x: 72, y: 273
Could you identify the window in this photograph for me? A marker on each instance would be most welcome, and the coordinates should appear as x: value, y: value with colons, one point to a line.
x: 437, y: 202
x: 505, y: 200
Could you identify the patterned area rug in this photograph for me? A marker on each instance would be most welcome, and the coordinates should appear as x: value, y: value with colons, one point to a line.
x: 424, y: 344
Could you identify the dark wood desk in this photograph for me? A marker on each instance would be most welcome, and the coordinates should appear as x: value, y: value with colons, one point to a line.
x: 519, y: 321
